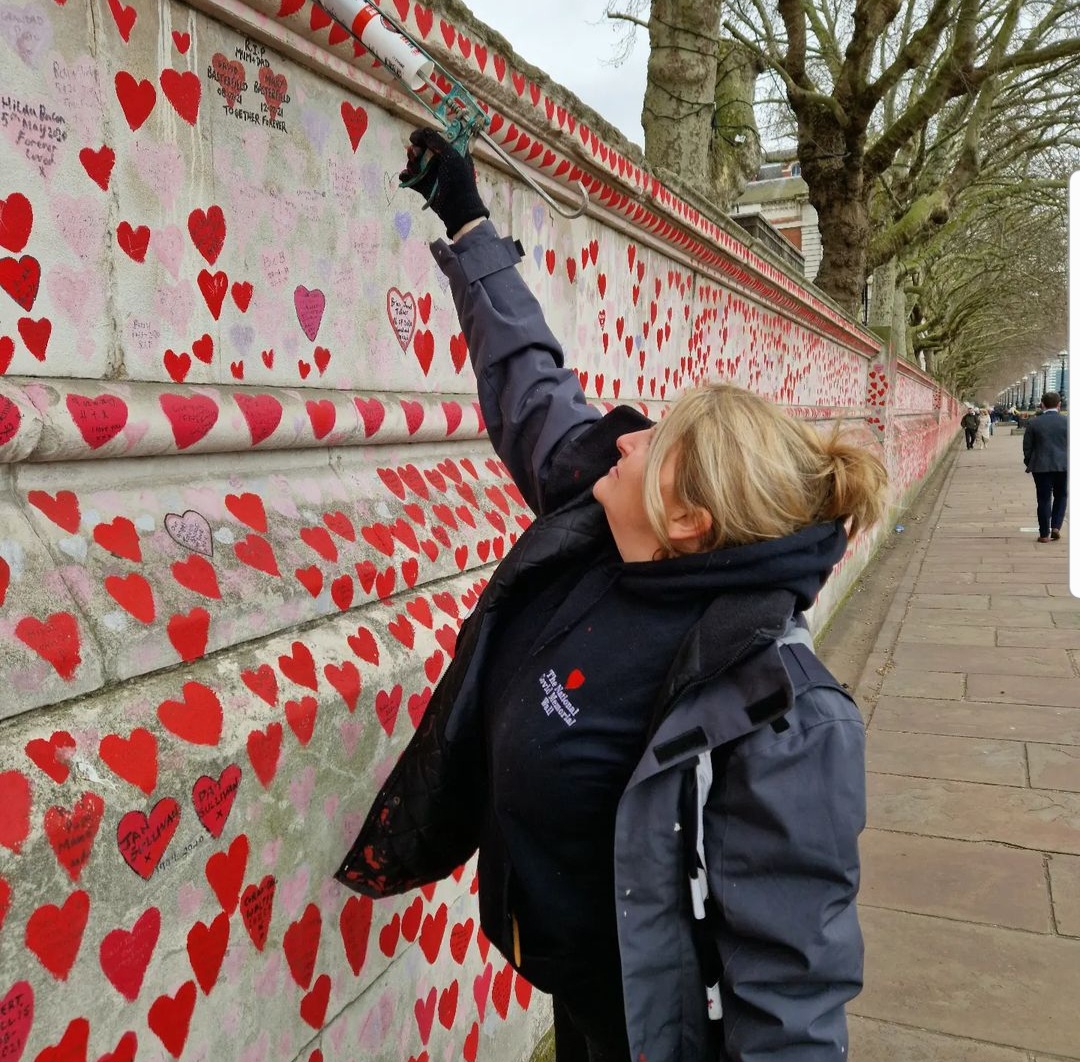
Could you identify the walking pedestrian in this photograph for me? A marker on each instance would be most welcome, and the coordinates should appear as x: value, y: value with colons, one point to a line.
x: 970, y: 423
x: 982, y: 432
x: 636, y: 693
x: 1046, y: 457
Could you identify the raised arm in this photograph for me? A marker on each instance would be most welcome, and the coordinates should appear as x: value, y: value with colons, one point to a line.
x: 532, y: 405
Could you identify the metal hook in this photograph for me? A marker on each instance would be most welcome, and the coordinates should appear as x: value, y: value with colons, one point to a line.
x: 555, y: 205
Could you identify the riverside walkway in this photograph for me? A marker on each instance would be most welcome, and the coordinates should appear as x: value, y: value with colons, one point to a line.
x: 971, y: 858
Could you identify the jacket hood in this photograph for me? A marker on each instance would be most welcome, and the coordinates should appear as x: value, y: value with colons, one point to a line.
x: 799, y: 564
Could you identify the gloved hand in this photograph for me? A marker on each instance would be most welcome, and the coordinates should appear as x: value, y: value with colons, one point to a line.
x: 452, y: 178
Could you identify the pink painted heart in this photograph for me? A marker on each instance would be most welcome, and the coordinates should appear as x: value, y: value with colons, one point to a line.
x: 309, y: 310
x: 192, y: 531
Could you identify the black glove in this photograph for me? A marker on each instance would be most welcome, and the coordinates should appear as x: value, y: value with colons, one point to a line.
x: 448, y: 182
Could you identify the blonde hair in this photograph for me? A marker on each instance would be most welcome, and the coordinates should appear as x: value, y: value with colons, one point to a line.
x: 758, y: 473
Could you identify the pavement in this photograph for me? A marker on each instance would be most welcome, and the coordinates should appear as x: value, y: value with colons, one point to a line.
x: 970, y: 903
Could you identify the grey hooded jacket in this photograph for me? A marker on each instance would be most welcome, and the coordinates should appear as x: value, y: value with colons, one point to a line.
x: 777, y: 827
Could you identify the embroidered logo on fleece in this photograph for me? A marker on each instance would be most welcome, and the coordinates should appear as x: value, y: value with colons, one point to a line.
x: 555, y: 698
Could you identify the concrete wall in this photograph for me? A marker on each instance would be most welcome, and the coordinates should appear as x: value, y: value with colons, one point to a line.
x: 246, y: 500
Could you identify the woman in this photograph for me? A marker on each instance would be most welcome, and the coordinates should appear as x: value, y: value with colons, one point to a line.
x: 984, y: 429
x: 664, y: 784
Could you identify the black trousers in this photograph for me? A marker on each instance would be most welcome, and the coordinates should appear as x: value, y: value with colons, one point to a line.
x: 1051, y: 494
x: 590, y: 1032
x: 969, y: 436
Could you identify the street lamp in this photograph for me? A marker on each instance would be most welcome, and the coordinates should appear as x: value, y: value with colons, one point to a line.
x: 1061, y: 382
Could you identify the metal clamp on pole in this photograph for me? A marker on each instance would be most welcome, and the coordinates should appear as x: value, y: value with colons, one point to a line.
x: 455, y: 109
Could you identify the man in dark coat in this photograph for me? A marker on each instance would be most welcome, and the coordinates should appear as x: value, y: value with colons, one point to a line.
x: 1046, y: 457
x: 970, y: 423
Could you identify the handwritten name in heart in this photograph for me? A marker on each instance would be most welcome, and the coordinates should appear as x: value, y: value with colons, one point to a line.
x: 401, y: 309
x: 191, y: 530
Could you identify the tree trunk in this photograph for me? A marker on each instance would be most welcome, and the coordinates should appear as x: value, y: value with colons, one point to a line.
x: 698, y: 113
x: 833, y: 171
x: 735, y: 151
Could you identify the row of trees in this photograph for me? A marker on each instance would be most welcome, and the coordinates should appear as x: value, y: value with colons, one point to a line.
x: 935, y: 138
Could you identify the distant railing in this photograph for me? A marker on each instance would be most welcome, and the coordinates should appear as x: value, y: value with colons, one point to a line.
x: 766, y: 234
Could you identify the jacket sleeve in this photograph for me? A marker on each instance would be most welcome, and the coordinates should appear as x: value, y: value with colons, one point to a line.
x: 532, y: 405
x: 1029, y: 443
x: 781, y: 845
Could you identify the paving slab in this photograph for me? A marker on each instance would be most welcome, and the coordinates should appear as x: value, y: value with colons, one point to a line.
x: 967, y: 601
x: 994, y: 661
x: 1065, y: 893
x: 1023, y: 689
x: 1005, y: 986
x: 937, y: 756
x: 915, y: 682
x: 956, y: 634
x: 1032, y: 600
x: 880, y: 1041
x: 1006, y: 578
x: 954, y: 616
x: 1037, y: 819
x: 1054, y: 767
x: 1039, y: 723
x: 964, y: 880
x: 1026, y: 636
